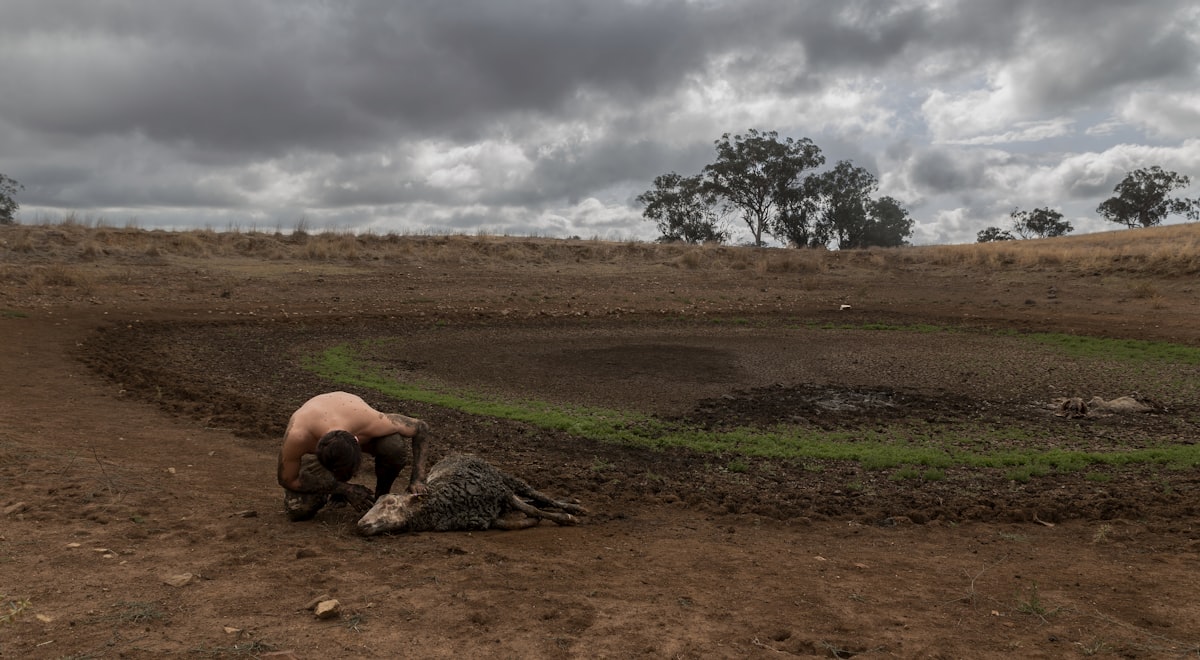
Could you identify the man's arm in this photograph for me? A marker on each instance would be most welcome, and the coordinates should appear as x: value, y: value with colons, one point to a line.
x: 420, y: 444
x: 288, y: 473
x: 418, y: 430
x: 316, y: 479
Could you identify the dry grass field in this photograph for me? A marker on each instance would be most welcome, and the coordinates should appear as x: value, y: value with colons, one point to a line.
x: 785, y: 452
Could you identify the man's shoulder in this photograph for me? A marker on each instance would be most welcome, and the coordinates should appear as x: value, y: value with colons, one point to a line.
x: 299, y: 437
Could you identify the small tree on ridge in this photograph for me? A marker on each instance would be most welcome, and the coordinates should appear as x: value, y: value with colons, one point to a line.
x: 8, y: 203
x: 683, y: 210
x: 1040, y: 223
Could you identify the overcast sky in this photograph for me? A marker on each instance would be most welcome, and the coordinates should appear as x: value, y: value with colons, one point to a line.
x: 547, y: 117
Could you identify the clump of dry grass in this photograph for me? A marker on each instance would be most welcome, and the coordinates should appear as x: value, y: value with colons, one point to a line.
x: 1143, y: 289
x: 41, y: 279
x: 330, y: 247
x: 757, y: 260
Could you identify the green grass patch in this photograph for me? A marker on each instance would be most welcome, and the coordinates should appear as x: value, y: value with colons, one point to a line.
x: 1129, y: 350
x: 920, y: 452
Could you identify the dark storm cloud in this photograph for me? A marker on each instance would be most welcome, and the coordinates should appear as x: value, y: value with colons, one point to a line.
x: 271, y: 76
x: 1096, y: 48
x: 568, y: 175
x: 941, y: 171
x: 260, y: 76
x: 437, y: 61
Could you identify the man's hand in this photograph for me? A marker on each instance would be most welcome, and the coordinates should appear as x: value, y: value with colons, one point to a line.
x: 358, y: 496
x: 418, y: 488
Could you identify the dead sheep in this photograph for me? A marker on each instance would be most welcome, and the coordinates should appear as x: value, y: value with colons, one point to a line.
x: 466, y: 493
x: 1096, y: 406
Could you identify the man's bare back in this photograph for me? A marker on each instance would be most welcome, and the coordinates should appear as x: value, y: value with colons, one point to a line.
x: 347, y: 412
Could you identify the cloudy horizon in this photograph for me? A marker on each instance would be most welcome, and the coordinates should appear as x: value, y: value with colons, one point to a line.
x: 548, y: 117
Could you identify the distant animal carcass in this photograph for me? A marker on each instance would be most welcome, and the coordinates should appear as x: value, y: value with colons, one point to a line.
x: 1096, y: 406
x: 466, y: 493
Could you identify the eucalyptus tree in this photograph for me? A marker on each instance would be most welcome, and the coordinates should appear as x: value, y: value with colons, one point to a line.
x: 8, y: 201
x: 759, y: 175
x: 1040, y: 223
x: 848, y: 215
x: 684, y: 210
x: 1143, y: 198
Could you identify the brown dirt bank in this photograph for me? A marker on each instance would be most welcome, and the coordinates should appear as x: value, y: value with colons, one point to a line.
x: 147, y: 377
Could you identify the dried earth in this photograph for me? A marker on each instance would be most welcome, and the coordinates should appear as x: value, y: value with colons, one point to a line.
x: 142, y: 412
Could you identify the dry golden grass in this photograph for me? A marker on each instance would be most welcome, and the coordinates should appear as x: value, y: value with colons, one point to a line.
x: 1171, y: 250
x: 1157, y: 251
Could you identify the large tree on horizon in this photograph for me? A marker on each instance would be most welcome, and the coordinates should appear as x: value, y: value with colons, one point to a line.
x: 1143, y: 198
x: 760, y: 176
x: 844, y: 209
x: 888, y: 224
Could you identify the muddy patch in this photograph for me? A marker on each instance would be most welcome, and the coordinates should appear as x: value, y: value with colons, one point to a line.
x: 825, y: 406
x: 673, y: 362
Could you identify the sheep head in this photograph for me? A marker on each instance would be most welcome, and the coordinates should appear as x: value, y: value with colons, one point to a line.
x: 391, y: 513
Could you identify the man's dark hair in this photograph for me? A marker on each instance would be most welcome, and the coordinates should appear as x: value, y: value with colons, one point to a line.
x: 338, y: 452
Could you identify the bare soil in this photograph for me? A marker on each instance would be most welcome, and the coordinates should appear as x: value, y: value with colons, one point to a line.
x: 144, y: 398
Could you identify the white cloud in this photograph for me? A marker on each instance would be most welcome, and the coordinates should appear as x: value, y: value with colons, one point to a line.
x: 1163, y: 113
x: 468, y: 169
x: 958, y: 117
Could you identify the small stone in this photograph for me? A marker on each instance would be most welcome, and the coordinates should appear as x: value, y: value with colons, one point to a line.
x: 313, y: 603
x: 181, y: 580
x: 328, y: 609
x: 15, y: 508
x: 230, y: 630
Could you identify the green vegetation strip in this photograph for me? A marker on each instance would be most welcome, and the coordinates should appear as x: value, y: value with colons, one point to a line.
x: 1132, y: 350
x: 873, y: 449
x: 1081, y: 346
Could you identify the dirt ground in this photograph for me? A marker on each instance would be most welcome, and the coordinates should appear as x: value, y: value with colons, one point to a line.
x: 142, y: 407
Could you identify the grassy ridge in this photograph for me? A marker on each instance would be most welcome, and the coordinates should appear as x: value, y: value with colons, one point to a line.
x: 1170, y: 251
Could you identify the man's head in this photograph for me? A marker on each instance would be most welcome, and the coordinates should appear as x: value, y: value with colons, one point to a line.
x: 338, y: 452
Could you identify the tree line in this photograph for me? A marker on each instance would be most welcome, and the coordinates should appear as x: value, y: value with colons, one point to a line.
x: 759, y: 178
x: 771, y: 185
x: 1143, y: 199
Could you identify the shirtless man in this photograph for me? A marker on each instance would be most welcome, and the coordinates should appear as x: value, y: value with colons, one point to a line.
x: 323, y: 447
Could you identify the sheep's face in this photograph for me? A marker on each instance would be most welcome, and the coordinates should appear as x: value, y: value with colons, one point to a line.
x: 391, y: 513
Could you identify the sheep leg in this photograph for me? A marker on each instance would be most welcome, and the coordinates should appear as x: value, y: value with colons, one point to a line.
x: 535, y: 513
x: 541, y: 501
x: 525, y: 490
x: 509, y: 524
